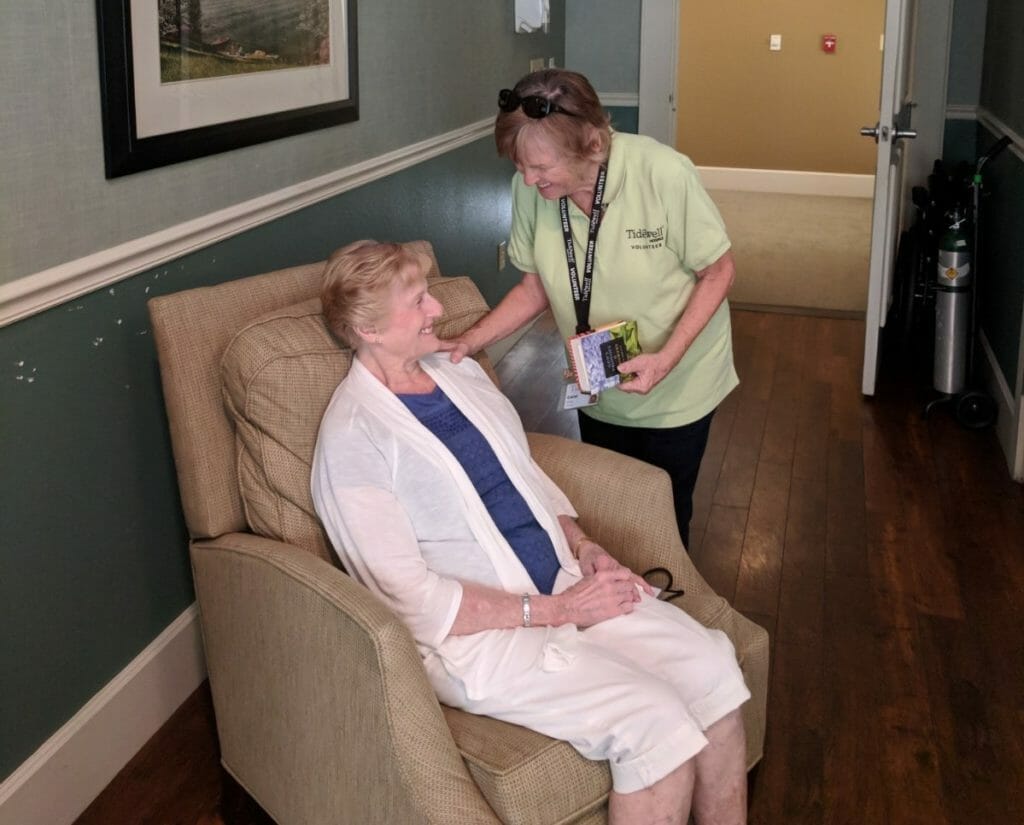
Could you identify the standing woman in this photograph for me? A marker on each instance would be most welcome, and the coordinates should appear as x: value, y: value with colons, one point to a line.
x: 659, y: 255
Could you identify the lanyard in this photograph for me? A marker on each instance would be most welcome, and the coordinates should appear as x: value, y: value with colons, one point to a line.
x: 581, y: 297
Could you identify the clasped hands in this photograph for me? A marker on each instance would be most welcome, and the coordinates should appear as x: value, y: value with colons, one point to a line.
x: 607, y: 589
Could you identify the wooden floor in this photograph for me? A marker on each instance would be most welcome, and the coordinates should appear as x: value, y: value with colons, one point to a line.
x: 883, y: 552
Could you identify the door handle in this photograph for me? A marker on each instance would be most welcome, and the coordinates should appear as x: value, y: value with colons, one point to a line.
x: 876, y: 132
x: 904, y: 134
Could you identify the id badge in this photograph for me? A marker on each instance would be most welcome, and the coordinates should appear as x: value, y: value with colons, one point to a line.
x: 573, y: 397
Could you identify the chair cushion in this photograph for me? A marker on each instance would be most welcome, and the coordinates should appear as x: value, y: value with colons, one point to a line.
x: 526, y: 777
x: 278, y: 375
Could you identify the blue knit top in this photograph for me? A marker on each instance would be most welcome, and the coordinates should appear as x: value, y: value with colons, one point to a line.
x: 506, y: 506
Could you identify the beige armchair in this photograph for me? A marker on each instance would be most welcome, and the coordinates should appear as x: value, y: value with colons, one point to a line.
x: 323, y: 710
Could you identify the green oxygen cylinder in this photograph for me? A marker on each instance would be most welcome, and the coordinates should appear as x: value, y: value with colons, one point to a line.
x: 953, y: 285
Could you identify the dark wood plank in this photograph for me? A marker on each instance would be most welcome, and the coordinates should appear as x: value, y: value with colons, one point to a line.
x: 174, y: 779
x: 755, y: 364
x: 717, y: 557
x: 855, y: 770
x: 760, y: 567
x: 711, y: 468
x: 790, y: 782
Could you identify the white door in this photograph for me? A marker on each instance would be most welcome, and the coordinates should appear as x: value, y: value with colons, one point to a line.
x: 892, y: 129
x: 659, y: 27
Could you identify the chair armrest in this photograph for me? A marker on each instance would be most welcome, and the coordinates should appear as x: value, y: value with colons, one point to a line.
x: 323, y: 707
x: 625, y: 504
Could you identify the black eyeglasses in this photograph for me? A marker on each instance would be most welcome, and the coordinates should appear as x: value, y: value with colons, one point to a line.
x: 661, y: 578
x: 534, y: 106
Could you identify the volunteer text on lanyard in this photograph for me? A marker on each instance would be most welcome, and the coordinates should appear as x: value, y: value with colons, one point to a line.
x: 581, y: 296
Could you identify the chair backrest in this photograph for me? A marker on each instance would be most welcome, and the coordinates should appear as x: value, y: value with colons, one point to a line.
x: 211, y: 342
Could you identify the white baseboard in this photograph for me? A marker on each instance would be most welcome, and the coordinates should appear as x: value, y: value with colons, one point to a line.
x: 786, y: 182
x: 1010, y: 423
x: 990, y: 122
x: 50, y: 287
x: 961, y: 111
x: 69, y: 770
x: 621, y: 99
x: 998, y: 127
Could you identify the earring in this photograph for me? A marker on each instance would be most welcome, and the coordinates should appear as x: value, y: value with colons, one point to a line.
x: 377, y: 339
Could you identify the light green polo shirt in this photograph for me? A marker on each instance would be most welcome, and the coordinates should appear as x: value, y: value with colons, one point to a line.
x: 659, y: 228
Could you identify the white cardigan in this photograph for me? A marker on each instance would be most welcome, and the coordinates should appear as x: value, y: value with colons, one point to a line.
x: 407, y: 522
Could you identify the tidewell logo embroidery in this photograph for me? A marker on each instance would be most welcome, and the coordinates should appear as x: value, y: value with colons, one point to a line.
x: 643, y: 238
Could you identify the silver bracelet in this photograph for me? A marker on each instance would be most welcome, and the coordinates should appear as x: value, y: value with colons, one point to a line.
x: 526, y: 610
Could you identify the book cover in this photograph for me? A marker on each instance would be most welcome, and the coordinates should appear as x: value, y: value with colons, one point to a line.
x: 595, y: 356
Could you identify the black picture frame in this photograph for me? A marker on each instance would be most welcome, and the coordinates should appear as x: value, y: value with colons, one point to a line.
x: 126, y: 153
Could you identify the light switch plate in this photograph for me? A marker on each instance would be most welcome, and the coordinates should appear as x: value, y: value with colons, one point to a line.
x: 775, y: 42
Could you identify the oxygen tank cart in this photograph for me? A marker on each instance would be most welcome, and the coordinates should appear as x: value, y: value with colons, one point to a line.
x: 952, y: 307
x: 956, y: 311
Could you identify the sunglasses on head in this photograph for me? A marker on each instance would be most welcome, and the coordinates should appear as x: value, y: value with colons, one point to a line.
x: 534, y: 106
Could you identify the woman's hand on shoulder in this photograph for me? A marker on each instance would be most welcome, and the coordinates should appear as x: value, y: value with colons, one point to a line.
x: 456, y: 348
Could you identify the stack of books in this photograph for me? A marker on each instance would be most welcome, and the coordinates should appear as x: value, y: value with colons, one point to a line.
x: 595, y: 356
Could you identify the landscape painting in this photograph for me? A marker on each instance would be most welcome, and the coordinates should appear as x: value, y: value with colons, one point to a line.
x: 211, y: 38
x: 181, y: 79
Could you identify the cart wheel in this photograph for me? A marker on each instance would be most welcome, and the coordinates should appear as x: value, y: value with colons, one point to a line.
x: 975, y: 410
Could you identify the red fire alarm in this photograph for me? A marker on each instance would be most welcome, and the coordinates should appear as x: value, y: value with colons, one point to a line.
x: 828, y: 43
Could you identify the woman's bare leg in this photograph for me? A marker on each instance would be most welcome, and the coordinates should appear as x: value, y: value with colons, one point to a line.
x: 720, y: 787
x: 666, y: 802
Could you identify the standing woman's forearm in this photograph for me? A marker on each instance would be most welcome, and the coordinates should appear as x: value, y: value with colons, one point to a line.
x: 713, y: 284
x: 524, y: 302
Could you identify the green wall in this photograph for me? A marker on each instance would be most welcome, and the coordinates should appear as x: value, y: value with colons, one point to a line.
x: 92, y: 544
x: 1000, y: 268
x: 960, y: 141
x: 1001, y: 262
x: 966, y: 46
x: 986, y: 69
x: 1002, y: 74
x: 603, y: 42
x: 624, y: 118
x: 94, y: 547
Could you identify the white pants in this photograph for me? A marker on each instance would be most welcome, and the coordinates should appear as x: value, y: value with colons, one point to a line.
x: 637, y: 690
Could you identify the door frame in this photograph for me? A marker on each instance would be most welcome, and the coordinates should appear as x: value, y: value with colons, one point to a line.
x: 659, y: 68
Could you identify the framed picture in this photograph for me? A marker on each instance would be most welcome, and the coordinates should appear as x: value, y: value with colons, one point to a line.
x: 180, y: 79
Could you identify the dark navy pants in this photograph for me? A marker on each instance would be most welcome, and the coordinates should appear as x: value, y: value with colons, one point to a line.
x: 676, y: 450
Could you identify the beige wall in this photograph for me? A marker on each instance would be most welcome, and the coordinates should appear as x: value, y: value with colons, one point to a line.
x: 743, y: 106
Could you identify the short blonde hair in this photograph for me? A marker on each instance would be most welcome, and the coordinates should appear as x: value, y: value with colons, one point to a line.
x: 584, y: 133
x: 357, y: 283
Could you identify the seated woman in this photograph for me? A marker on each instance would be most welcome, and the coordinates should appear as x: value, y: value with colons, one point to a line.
x: 423, y: 479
